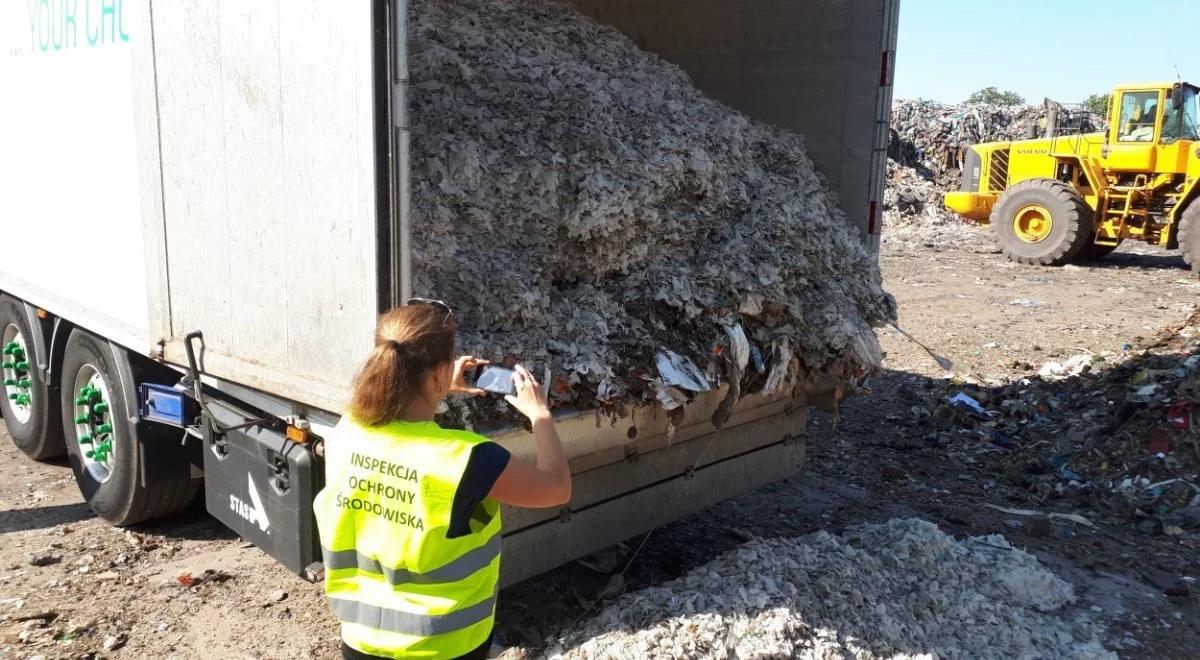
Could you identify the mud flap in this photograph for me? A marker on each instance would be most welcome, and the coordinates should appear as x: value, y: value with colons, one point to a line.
x: 262, y: 485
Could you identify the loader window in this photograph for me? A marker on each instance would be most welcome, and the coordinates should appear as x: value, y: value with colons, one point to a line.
x: 1181, y: 124
x: 1138, y: 110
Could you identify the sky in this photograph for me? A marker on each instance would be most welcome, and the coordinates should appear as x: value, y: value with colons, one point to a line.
x: 1061, y: 49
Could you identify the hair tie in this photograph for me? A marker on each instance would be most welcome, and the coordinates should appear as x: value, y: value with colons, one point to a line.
x: 397, y: 346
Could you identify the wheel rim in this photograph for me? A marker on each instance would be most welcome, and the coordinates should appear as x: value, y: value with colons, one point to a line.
x: 17, y: 380
x: 1032, y: 223
x: 93, y: 423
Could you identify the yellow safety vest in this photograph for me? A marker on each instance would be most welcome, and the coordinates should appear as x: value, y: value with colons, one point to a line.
x: 398, y: 585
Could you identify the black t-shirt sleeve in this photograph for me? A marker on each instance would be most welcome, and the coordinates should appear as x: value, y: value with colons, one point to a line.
x: 484, y: 466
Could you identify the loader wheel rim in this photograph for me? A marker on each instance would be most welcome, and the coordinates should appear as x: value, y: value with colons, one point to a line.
x: 17, y: 383
x: 93, y: 423
x: 1032, y: 223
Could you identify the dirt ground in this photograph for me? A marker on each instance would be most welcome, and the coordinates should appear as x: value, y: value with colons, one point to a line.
x: 110, y: 592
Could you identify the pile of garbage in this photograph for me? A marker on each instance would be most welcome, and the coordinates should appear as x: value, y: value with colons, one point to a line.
x: 586, y: 210
x: 1115, y: 435
x: 914, y: 214
x: 902, y: 588
x: 932, y: 137
x: 909, y: 194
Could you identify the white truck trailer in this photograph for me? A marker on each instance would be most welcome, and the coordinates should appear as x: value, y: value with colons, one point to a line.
x: 203, y: 206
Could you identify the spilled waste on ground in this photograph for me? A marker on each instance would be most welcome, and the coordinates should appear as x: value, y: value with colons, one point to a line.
x: 900, y: 589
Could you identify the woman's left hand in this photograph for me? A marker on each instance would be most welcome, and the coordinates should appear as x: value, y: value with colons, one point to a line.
x: 458, y: 383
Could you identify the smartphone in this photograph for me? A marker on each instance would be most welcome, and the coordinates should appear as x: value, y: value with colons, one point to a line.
x: 496, y: 379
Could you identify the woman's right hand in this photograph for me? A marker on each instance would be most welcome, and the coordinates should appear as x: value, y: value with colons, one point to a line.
x: 529, y: 399
x: 546, y: 483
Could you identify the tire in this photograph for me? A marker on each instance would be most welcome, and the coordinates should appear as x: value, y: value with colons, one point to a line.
x: 34, y: 424
x: 1070, y: 222
x: 1094, y: 252
x: 1189, y: 235
x: 112, y: 483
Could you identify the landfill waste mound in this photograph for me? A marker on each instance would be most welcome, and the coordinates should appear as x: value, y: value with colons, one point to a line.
x: 932, y: 137
x: 909, y: 193
x: 914, y: 214
x: 583, y: 207
x: 1135, y: 461
x: 900, y: 589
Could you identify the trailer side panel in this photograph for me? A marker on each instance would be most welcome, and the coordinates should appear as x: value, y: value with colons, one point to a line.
x: 268, y: 165
x: 77, y: 124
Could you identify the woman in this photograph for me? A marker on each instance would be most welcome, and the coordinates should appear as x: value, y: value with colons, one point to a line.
x: 410, y: 514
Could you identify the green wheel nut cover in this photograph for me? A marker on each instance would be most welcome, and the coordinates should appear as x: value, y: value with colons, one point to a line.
x: 102, y: 450
x: 9, y: 382
x: 25, y: 383
x: 22, y: 366
x: 91, y: 399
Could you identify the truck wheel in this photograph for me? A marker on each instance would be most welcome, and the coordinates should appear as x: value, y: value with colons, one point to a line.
x: 1093, y: 252
x: 1189, y: 236
x: 30, y: 411
x: 1042, y: 222
x: 103, y: 444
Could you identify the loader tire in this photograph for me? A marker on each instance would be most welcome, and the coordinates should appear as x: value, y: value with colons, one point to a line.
x: 114, y: 485
x: 30, y: 407
x: 1042, y: 222
x: 1189, y: 236
x: 1094, y: 252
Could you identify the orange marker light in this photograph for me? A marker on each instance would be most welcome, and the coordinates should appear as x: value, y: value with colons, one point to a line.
x: 299, y: 436
x: 42, y: 314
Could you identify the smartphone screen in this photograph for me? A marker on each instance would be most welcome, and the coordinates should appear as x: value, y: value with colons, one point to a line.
x: 496, y: 379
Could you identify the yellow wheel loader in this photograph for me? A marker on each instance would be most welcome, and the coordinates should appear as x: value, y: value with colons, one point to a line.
x: 1077, y: 196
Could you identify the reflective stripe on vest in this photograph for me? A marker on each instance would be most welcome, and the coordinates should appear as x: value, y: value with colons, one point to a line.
x: 456, y: 570
x: 408, y: 623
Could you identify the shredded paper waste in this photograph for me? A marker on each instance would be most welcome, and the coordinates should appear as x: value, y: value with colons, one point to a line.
x: 581, y: 205
x: 900, y: 589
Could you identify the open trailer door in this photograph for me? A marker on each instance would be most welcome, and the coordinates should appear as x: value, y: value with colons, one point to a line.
x: 271, y: 213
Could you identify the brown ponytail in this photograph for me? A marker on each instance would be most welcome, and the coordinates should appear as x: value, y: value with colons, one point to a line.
x: 409, y: 342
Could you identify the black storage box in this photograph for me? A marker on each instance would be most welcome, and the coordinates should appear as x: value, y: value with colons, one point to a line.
x: 262, y: 486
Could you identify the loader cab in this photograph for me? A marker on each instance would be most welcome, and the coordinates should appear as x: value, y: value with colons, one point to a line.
x: 1134, y: 129
x: 1147, y: 125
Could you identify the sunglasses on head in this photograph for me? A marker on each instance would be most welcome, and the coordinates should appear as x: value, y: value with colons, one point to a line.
x: 435, y: 303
